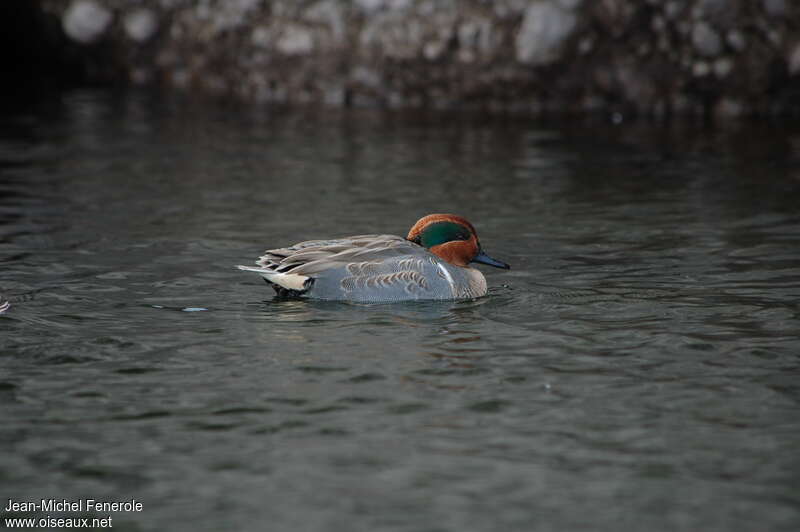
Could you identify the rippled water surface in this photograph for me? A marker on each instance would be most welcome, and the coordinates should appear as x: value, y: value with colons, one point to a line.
x: 637, y: 369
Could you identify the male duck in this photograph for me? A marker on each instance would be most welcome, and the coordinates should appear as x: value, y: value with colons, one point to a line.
x: 432, y: 262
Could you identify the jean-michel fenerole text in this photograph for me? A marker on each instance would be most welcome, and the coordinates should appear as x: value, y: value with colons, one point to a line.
x: 79, y: 505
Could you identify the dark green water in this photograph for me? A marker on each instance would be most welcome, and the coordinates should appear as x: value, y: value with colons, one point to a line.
x: 637, y: 369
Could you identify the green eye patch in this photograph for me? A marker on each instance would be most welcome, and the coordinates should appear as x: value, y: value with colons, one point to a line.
x: 441, y: 232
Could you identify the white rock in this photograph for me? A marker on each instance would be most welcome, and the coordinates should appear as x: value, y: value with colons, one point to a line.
x: 476, y: 34
x: 396, y: 36
x: 657, y: 24
x: 140, y: 24
x: 570, y: 4
x: 736, y: 40
x: 260, y: 36
x: 180, y: 78
x: 433, y: 50
x: 712, y: 9
x: 775, y: 37
x: 586, y: 45
x: 794, y: 60
x: 672, y: 9
x: 723, y: 67
x: 85, y: 21
x: 295, y: 40
x: 400, y: 5
x: 203, y: 12
x: 465, y: 56
x: 243, y: 6
x: 729, y: 107
x: 705, y: 40
x: 509, y: 7
x: 701, y: 69
x: 333, y: 95
x: 140, y: 76
x: 229, y: 14
x: 467, y: 33
x: 329, y: 12
x: 544, y: 30
x: 365, y: 76
x: 369, y: 5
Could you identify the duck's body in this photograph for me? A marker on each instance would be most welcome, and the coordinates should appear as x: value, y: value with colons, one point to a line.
x: 372, y: 268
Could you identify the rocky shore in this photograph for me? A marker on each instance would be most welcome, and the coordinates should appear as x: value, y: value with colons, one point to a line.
x: 632, y: 57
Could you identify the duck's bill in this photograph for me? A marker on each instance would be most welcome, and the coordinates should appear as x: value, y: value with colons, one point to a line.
x: 483, y: 258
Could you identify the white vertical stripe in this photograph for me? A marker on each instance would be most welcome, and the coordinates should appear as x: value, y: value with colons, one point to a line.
x: 448, y: 277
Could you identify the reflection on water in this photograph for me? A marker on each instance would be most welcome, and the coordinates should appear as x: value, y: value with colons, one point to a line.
x: 638, y: 363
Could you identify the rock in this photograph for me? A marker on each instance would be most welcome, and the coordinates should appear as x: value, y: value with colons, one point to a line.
x: 713, y: 10
x: 509, y: 8
x: 729, y: 108
x: 478, y: 34
x: 775, y: 8
x: 775, y: 38
x: 570, y: 4
x: 393, y: 36
x: 706, y: 41
x: 585, y: 45
x: 260, y: 37
x: 295, y: 40
x: 672, y: 9
x: 723, y: 67
x: 477, y: 53
x: 331, y: 14
x: 86, y: 21
x: 369, y: 5
x: 794, y: 60
x: 228, y: 15
x: 701, y: 69
x: 140, y: 25
x: 433, y: 50
x: 736, y: 40
x: 545, y: 28
x: 657, y: 24
x: 366, y: 77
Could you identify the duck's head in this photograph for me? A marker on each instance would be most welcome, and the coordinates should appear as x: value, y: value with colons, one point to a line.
x: 452, y: 238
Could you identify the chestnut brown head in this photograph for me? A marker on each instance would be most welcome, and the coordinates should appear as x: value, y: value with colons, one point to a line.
x: 451, y: 238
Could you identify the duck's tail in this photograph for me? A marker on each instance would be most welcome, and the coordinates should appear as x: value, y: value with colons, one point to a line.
x: 289, y: 281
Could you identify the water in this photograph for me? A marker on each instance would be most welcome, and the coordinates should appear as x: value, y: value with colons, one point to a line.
x: 636, y: 369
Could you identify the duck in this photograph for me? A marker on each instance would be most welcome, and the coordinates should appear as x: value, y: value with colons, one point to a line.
x: 431, y: 263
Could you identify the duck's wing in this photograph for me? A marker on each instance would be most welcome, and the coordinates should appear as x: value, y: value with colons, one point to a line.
x: 316, y: 255
x: 295, y: 267
x: 363, y: 248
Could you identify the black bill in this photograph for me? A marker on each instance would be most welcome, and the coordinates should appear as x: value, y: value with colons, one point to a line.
x: 483, y: 258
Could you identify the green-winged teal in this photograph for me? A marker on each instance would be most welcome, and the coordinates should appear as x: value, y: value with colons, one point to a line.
x: 432, y: 262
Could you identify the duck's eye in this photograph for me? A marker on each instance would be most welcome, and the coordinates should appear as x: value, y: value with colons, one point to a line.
x: 441, y: 232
